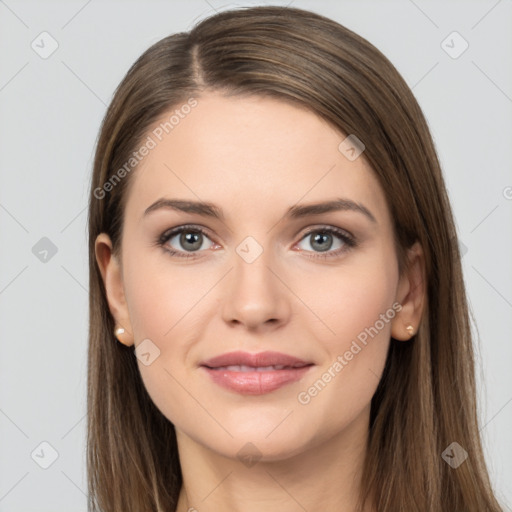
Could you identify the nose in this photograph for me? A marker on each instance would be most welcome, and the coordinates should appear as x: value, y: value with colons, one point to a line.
x: 255, y: 296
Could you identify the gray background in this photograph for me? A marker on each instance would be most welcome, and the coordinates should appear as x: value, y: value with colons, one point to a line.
x: 50, y: 112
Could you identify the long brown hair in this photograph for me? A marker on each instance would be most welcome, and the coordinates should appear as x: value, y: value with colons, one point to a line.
x: 426, y: 397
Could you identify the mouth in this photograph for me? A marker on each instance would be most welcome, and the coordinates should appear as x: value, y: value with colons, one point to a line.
x: 255, y: 374
x: 245, y: 368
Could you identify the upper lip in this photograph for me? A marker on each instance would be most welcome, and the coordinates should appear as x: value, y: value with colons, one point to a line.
x: 259, y: 359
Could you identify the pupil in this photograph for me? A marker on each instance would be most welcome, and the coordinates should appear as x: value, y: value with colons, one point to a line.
x: 318, y: 238
x: 191, y: 238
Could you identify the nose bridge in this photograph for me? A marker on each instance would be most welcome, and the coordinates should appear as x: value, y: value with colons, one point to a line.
x: 255, y: 295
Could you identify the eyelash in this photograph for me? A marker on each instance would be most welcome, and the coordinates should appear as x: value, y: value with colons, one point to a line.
x: 349, y: 241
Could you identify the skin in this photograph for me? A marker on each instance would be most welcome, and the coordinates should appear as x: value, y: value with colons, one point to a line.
x: 254, y: 158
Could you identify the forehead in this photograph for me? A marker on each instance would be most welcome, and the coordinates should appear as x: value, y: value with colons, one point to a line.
x: 249, y: 154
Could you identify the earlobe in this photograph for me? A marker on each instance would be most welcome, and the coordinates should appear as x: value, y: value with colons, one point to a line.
x: 123, y: 336
x: 110, y: 270
x: 411, y: 295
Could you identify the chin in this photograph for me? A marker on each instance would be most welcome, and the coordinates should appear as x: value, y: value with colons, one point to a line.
x: 263, y: 443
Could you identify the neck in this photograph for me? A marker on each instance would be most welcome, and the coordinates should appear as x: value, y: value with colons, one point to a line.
x: 325, y: 476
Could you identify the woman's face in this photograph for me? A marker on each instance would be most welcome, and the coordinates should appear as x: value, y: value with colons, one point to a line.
x: 269, y: 273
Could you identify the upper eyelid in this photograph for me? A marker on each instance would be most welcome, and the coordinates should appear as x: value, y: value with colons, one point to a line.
x: 172, y: 232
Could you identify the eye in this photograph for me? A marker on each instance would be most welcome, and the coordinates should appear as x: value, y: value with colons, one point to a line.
x: 187, y: 239
x: 323, y: 239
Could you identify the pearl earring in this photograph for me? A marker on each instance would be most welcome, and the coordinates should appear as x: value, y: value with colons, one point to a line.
x: 118, y: 331
x: 410, y: 329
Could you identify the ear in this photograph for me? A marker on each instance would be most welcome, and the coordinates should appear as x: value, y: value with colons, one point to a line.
x: 113, y: 280
x: 411, y: 293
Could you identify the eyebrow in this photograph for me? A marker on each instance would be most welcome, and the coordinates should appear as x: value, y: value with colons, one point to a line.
x: 294, y: 212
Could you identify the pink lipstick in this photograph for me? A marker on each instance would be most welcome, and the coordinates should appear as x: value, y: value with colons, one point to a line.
x: 255, y: 374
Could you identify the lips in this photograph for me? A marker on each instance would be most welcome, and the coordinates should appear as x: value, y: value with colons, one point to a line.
x: 245, y: 368
x: 255, y: 374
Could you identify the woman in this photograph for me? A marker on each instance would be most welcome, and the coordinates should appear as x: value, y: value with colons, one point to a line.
x: 278, y: 318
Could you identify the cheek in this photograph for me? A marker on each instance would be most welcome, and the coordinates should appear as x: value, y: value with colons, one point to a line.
x: 356, y: 303
x: 164, y: 303
x: 161, y: 294
x: 364, y: 313
x: 358, y: 310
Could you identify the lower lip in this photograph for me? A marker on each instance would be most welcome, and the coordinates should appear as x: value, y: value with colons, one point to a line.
x: 256, y: 383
